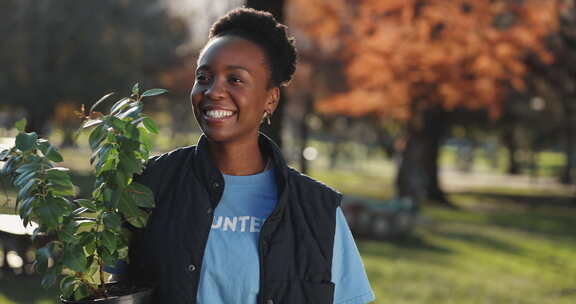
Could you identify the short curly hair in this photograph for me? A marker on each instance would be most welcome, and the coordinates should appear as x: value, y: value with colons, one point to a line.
x: 261, y: 28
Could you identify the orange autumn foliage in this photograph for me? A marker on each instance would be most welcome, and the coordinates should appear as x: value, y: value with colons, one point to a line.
x: 404, y: 56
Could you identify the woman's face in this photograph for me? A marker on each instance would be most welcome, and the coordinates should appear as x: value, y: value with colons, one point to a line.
x: 231, y: 91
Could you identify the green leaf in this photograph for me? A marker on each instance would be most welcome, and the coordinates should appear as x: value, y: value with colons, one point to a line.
x: 121, y: 179
x: 58, y: 175
x: 23, y: 178
x: 101, y: 153
x: 49, y: 151
x: 67, y: 286
x: 24, y: 191
x: 35, y: 234
x: 67, y: 232
x: 26, y: 207
x: 129, y: 145
x: 75, y: 259
x: 108, y: 257
x: 134, y: 215
x: 51, y: 276
x: 132, y: 133
x: 59, y: 182
x: 21, y: 125
x: 154, y: 92
x: 79, y: 211
x: 135, y: 122
x: 136, y: 89
x: 33, y: 166
x: 123, y: 253
x: 97, y: 136
x: 91, y: 122
x: 88, y: 240
x: 8, y: 167
x: 26, y: 141
x: 50, y: 213
x: 108, y: 161
x: 150, y: 125
x: 129, y: 165
x: 62, y: 189
x: 43, y: 145
x: 54, y: 155
x: 4, y: 154
x: 142, y: 195
x: 146, y: 142
x: 81, y: 292
x: 42, y: 256
x: 133, y: 111
x: 112, y: 221
x: 109, y: 240
x: 100, y: 101
x: 85, y: 225
x: 97, y: 194
x: 119, y: 105
x: 94, y: 266
x: 86, y: 203
x: 116, y: 123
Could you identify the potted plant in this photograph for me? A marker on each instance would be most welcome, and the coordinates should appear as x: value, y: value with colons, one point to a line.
x: 85, y: 234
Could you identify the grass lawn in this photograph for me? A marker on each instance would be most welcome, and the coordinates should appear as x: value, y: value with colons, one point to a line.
x: 503, y: 245
x: 472, y: 256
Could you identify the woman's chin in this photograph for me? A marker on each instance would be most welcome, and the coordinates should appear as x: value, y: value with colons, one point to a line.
x: 228, y: 136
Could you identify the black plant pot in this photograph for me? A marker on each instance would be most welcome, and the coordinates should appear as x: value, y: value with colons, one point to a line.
x: 119, y: 294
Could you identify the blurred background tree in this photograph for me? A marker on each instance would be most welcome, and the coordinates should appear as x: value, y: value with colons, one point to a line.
x: 406, y: 61
x: 70, y: 52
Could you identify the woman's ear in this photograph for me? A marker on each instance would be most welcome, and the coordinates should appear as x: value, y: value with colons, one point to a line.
x: 273, y: 99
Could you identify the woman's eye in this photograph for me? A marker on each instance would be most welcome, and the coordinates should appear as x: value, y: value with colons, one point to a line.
x: 235, y: 80
x: 201, y: 78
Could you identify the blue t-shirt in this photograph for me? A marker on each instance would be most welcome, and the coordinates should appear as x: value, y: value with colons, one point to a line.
x: 230, y: 268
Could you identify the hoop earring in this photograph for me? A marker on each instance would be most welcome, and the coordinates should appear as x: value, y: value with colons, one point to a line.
x: 266, y: 117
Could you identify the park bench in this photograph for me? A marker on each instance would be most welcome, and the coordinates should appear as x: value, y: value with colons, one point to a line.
x: 380, y: 219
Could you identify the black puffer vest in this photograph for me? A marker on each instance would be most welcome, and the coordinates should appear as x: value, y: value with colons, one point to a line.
x: 296, y: 241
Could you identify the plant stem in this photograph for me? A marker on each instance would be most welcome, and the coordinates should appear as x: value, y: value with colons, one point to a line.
x: 101, y: 264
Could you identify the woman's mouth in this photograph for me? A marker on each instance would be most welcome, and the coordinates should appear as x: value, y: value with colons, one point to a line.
x: 217, y: 115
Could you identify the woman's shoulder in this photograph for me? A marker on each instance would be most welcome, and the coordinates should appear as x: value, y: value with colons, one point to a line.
x: 172, y: 157
x: 161, y: 167
x: 310, y: 185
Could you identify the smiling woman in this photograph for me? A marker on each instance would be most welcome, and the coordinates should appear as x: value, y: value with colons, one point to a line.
x: 233, y: 223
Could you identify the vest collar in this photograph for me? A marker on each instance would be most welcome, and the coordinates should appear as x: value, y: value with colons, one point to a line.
x: 209, y: 174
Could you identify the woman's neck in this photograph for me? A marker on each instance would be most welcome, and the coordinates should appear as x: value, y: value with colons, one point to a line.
x: 238, y: 158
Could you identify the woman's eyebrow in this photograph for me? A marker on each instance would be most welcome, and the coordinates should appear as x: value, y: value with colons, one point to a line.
x: 205, y: 67
x: 238, y: 67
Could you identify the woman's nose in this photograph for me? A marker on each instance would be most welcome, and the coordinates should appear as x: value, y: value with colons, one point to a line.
x: 215, y: 90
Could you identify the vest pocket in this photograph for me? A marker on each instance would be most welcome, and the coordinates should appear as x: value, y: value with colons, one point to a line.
x: 299, y: 291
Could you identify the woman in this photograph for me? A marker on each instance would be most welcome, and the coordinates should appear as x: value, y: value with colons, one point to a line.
x: 234, y: 224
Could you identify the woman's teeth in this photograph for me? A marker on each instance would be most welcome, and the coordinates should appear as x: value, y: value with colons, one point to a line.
x: 218, y: 113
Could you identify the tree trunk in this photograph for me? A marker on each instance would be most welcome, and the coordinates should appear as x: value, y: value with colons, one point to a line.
x: 417, y: 176
x: 569, y: 138
x: 276, y: 7
x: 37, y: 120
x: 509, y: 140
x: 68, y: 138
